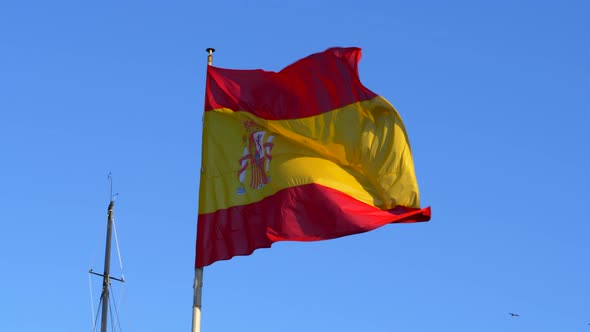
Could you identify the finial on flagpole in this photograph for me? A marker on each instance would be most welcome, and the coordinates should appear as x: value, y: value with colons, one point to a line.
x: 210, y: 51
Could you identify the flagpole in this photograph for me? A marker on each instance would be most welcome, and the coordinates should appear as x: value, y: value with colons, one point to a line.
x: 198, y: 283
x: 198, y: 287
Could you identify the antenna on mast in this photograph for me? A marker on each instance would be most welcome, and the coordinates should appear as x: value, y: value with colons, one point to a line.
x: 111, y: 196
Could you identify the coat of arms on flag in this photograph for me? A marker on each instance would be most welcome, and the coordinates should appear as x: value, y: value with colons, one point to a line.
x: 256, y: 158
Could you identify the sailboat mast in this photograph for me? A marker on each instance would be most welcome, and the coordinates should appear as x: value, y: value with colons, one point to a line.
x: 107, y: 270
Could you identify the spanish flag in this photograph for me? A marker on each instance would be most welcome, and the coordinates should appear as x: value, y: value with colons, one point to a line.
x: 304, y: 154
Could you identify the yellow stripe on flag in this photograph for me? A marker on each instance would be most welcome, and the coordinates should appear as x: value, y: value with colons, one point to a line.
x: 360, y: 150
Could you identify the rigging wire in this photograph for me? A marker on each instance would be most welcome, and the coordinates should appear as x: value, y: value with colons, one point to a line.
x: 91, y: 301
x: 116, y: 311
x: 111, y: 312
x: 120, y: 262
x: 93, y: 259
x: 118, y: 249
x: 125, y: 308
x: 96, y: 318
x: 112, y: 304
x: 119, y: 256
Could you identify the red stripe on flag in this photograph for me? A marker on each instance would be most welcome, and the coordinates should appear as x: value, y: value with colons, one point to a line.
x: 309, y: 212
x: 313, y: 85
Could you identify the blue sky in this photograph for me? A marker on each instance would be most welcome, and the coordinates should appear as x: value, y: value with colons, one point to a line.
x: 495, y: 99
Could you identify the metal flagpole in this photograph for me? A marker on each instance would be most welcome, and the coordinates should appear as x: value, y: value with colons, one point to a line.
x: 198, y: 284
x: 198, y: 287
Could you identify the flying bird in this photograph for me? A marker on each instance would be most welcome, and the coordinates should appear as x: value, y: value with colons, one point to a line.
x: 513, y: 314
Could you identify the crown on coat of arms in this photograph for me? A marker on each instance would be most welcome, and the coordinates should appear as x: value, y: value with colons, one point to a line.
x: 251, y: 126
